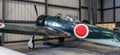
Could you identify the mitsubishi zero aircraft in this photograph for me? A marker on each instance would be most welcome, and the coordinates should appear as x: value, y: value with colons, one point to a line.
x: 55, y: 26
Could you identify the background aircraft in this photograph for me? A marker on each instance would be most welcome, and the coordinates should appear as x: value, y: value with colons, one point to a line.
x: 55, y: 26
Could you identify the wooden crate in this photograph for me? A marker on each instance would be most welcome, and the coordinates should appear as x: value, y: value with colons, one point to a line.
x: 110, y: 26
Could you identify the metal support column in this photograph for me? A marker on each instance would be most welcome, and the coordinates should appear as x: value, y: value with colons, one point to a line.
x: 79, y: 10
x: 89, y: 11
x: 46, y: 7
x: 114, y: 13
x: 3, y: 20
x: 3, y: 11
x: 94, y: 11
x: 102, y: 18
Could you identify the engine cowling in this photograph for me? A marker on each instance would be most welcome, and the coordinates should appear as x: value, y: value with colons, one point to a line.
x: 41, y: 20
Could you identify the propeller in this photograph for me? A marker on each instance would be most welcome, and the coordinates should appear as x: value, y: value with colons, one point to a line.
x: 31, y: 43
x: 36, y: 10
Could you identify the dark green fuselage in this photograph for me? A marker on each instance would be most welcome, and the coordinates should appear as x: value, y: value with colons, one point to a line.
x: 96, y: 34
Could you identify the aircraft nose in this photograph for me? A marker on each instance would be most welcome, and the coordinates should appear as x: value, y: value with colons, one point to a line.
x: 81, y: 31
x: 2, y: 25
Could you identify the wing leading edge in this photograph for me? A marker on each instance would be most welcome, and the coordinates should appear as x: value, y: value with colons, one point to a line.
x: 27, y: 30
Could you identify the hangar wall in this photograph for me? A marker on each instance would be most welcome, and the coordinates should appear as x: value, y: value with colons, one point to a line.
x: 84, y: 11
x: 53, y: 10
x: 117, y: 10
x: 111, y: 10
x: 0, y: 10
x: 108, y: 14
x: 23, y: 13
x: 18, y: 12
x: 99, y: 11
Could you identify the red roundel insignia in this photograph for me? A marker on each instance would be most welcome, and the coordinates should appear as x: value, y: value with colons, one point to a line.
x: 2, y: 25
x: 81, y: 31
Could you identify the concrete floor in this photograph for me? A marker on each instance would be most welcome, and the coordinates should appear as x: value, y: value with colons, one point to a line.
x: 71, y: 47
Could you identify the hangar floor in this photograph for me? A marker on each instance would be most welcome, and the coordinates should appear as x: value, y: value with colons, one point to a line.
x: 71, y: 47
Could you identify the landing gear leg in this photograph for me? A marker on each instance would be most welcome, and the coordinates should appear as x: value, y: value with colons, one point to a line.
x: 31, y: 43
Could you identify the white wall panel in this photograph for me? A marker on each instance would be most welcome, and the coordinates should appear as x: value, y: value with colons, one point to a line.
x: 117, y: 2
x: 108, y: 3
x: 117, y: 15
x: 98, y: 16
x: 54, y: 11
x: 108, y: 15
x: 84, y: 14
x: 22, y: 11
x: 18, y: 37
x: 99, y: 4
x: 39, y: 0
x: 71, y: 3
x: 84, y: 3
x: 1, y: 10
x: 40, y: 9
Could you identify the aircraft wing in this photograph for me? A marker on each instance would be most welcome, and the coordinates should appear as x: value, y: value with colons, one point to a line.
x: 27, y: 30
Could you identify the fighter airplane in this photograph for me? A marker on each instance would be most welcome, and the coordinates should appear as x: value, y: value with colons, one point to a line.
x: 55, y: 26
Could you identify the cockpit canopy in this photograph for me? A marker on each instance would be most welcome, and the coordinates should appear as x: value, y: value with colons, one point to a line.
x: 72, y: 18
